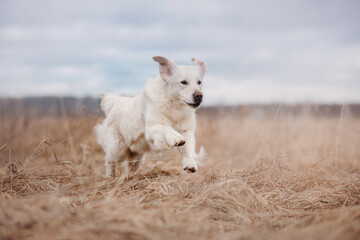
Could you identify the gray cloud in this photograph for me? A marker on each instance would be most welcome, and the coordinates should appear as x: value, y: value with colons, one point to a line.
x: 254, y: 49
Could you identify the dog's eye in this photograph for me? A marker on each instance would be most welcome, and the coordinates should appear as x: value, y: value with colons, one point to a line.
x: 199, y: 82
x: 184, y: 82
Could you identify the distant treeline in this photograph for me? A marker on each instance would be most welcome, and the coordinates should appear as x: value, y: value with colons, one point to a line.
x: 287, y: 110
x: 49, y: 106
x: 87, y: 106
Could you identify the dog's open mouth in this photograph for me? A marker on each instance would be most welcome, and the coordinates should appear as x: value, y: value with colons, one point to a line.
x: 194, y: 105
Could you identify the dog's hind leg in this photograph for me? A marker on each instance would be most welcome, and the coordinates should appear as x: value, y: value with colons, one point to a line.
x: 111, y: 161
x: 115, y: 154
x: 134, y: 162
x: 113, y: 145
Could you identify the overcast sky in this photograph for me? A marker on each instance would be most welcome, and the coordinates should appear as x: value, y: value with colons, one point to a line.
x: 256, y: 51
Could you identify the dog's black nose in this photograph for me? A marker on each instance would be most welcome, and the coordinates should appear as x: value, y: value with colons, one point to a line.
x: 197, y: 97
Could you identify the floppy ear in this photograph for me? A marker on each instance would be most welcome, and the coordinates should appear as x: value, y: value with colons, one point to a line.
x: 166, y: 67
x: 201, y: 64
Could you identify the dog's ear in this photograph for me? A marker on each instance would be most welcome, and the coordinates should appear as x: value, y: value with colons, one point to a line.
x: 201, y: 64
x: 166, y: 67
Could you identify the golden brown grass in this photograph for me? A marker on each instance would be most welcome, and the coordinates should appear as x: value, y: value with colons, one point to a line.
x: 262, y: 179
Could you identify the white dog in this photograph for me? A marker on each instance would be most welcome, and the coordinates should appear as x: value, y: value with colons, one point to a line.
x: 160, y: 118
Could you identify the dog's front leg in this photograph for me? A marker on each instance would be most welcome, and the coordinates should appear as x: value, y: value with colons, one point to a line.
x: 163, y: 137
x: 188, y: 152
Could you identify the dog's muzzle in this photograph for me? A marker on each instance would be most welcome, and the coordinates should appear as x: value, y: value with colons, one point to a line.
x: 197, y: 97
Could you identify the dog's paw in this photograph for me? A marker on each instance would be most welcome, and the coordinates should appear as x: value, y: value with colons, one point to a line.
x: 174, y: 139
x: 190, y: 170
x: 167, y: 140
x: 189, y: 165
x: 178, y: 144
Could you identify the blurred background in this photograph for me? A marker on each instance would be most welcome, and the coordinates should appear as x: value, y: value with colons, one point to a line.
x: 256, y: 51
x: 280, y: 121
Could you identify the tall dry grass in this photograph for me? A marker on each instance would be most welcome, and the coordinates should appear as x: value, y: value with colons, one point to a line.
x: 288, y: 178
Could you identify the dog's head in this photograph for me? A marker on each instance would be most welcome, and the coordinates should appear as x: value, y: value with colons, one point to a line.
x: 184, y: 82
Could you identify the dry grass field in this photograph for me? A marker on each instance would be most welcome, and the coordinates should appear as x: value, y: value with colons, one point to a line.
x: 263, y: 178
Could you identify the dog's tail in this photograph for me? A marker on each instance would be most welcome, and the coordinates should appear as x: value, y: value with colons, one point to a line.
x: 107, y: 101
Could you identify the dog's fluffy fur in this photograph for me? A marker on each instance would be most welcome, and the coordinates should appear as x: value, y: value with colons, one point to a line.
x: 160, y: 118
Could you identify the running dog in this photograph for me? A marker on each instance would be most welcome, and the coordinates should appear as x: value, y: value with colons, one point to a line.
x: 160, y: 118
